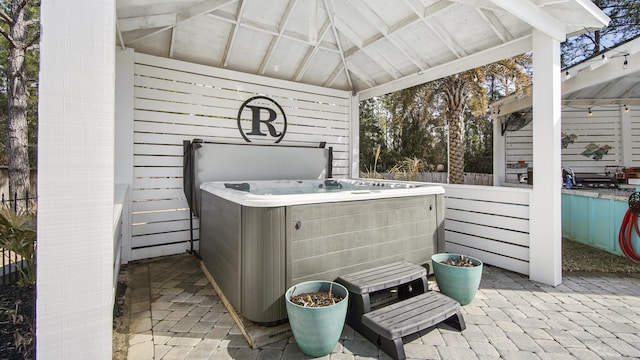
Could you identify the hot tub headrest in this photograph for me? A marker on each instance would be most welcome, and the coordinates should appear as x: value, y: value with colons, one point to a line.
x: 238, y: 186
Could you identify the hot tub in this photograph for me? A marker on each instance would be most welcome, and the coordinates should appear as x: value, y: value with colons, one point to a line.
x: 258, y: 238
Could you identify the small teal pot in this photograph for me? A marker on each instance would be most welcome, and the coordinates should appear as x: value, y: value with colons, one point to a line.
x: 458, y: 283
x: 317, y: 330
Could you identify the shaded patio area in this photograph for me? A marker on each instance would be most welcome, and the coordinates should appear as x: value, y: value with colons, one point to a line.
x: 173, y: 312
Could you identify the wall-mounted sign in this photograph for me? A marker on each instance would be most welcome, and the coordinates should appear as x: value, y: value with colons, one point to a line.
x: 260, y: 117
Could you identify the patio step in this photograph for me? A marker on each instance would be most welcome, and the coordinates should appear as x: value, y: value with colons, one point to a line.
x: 410, y: 316
x: 391, y: 301
x: 375, y: 287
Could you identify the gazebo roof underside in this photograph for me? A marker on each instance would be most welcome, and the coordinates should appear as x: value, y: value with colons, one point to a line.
x: 610, y: 80
x: 353, y: 45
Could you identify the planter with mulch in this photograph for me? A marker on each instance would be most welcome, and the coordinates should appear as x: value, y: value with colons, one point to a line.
x: 458, y: 276
x: 317, y: 311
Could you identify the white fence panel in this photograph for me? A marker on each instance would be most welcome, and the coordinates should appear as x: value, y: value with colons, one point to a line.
x: 176, y: 101
x: 635, y: 133
x: 490, y: 223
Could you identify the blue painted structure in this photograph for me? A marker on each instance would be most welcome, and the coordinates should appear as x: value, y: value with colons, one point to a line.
x: 594, y: 217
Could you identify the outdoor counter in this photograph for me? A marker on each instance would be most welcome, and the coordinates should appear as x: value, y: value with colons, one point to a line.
x: 593, y: 216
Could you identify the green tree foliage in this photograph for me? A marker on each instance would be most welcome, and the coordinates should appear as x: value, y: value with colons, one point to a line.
x: 420, y: 120
x: 404, y: 127
x: 409, y: 114
x: 624, y: 25
x: 18, y: 234
x: 372, y: 137
x: 478, y: 144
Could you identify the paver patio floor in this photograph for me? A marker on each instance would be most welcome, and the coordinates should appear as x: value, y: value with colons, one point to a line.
x: 176, y: 314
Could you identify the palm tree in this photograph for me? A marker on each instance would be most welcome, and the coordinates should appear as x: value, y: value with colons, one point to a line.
x: 470, y: 90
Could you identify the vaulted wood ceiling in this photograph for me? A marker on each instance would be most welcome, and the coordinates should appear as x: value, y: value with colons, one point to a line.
x: 345, y: 44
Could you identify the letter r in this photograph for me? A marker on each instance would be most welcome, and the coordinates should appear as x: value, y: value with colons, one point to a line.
x: 256, y: 121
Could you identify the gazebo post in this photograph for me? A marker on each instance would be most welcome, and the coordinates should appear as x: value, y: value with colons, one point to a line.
x: 545, y: 263
x: 499, y: 153
x: 354, y: 142
x: 76, y: 180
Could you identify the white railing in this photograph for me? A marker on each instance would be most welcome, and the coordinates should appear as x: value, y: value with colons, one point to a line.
x: 490, y: 223
x: 120, y: 212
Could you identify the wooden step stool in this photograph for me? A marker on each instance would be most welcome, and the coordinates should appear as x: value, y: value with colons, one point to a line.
x: 415, y: 308
x: 410, y: 316
x: 367, y: 287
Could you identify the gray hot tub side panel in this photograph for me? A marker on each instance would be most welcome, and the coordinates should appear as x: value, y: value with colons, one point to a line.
x: 220, y: 244
x: 255, y: 254
x: 263, y: 263
x: 328, y: 240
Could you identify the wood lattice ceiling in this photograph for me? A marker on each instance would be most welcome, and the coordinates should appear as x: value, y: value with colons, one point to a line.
x: 349, y: 45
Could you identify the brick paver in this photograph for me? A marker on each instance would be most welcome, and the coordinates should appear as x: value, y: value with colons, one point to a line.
x: 176, y: 314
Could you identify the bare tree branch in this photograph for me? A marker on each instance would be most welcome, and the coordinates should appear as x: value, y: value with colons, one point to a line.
x: 32, y: 21
x: 8, y: 37
x: 6, y: 18
x: 22, y: 4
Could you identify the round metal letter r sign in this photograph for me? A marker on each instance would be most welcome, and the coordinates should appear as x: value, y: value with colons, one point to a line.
x: 262, y: 114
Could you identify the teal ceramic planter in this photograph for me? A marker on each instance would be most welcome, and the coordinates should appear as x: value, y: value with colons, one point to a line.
x: 458, y: 283
x: 317, y: 329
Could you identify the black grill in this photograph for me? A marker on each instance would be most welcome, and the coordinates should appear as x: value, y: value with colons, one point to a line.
x: 595, y: 181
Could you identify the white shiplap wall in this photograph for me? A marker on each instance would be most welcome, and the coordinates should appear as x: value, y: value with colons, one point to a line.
x: 176, y: 101
x: 518, y: 147
x: 631, y: 136
x: 604, y: 126
x: 490, y: 223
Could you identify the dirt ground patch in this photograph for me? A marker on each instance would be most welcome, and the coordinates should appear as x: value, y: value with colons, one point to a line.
x: 121, y: 313
x: 17, y: 319
x: 584, y: 258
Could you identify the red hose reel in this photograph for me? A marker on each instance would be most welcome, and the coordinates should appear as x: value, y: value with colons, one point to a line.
x: 630, y: 222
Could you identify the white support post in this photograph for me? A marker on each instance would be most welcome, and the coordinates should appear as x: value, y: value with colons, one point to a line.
x: 76, y: 180
x: 499, y: 153
x: 354, y: 170
x: 124, y: 139
x: 627, y: 138
x: 545, y: 232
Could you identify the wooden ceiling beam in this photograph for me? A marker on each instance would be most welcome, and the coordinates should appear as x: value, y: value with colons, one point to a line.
x: 495, y: 24
x: 202, y: 8
x: 331, y: 79
x: 232, y: 35
x: 276, y: 39
x: 311, y: 53
x: 361, y: 74
x: 533, y: 15
x: 331, y: 16
x: 444, y: 37
x: 434, y: 9
x: 368, y: 13
x: 147, y: 22
x: 164, y: 22
x: 272, y: 30
x: 347, y: 32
